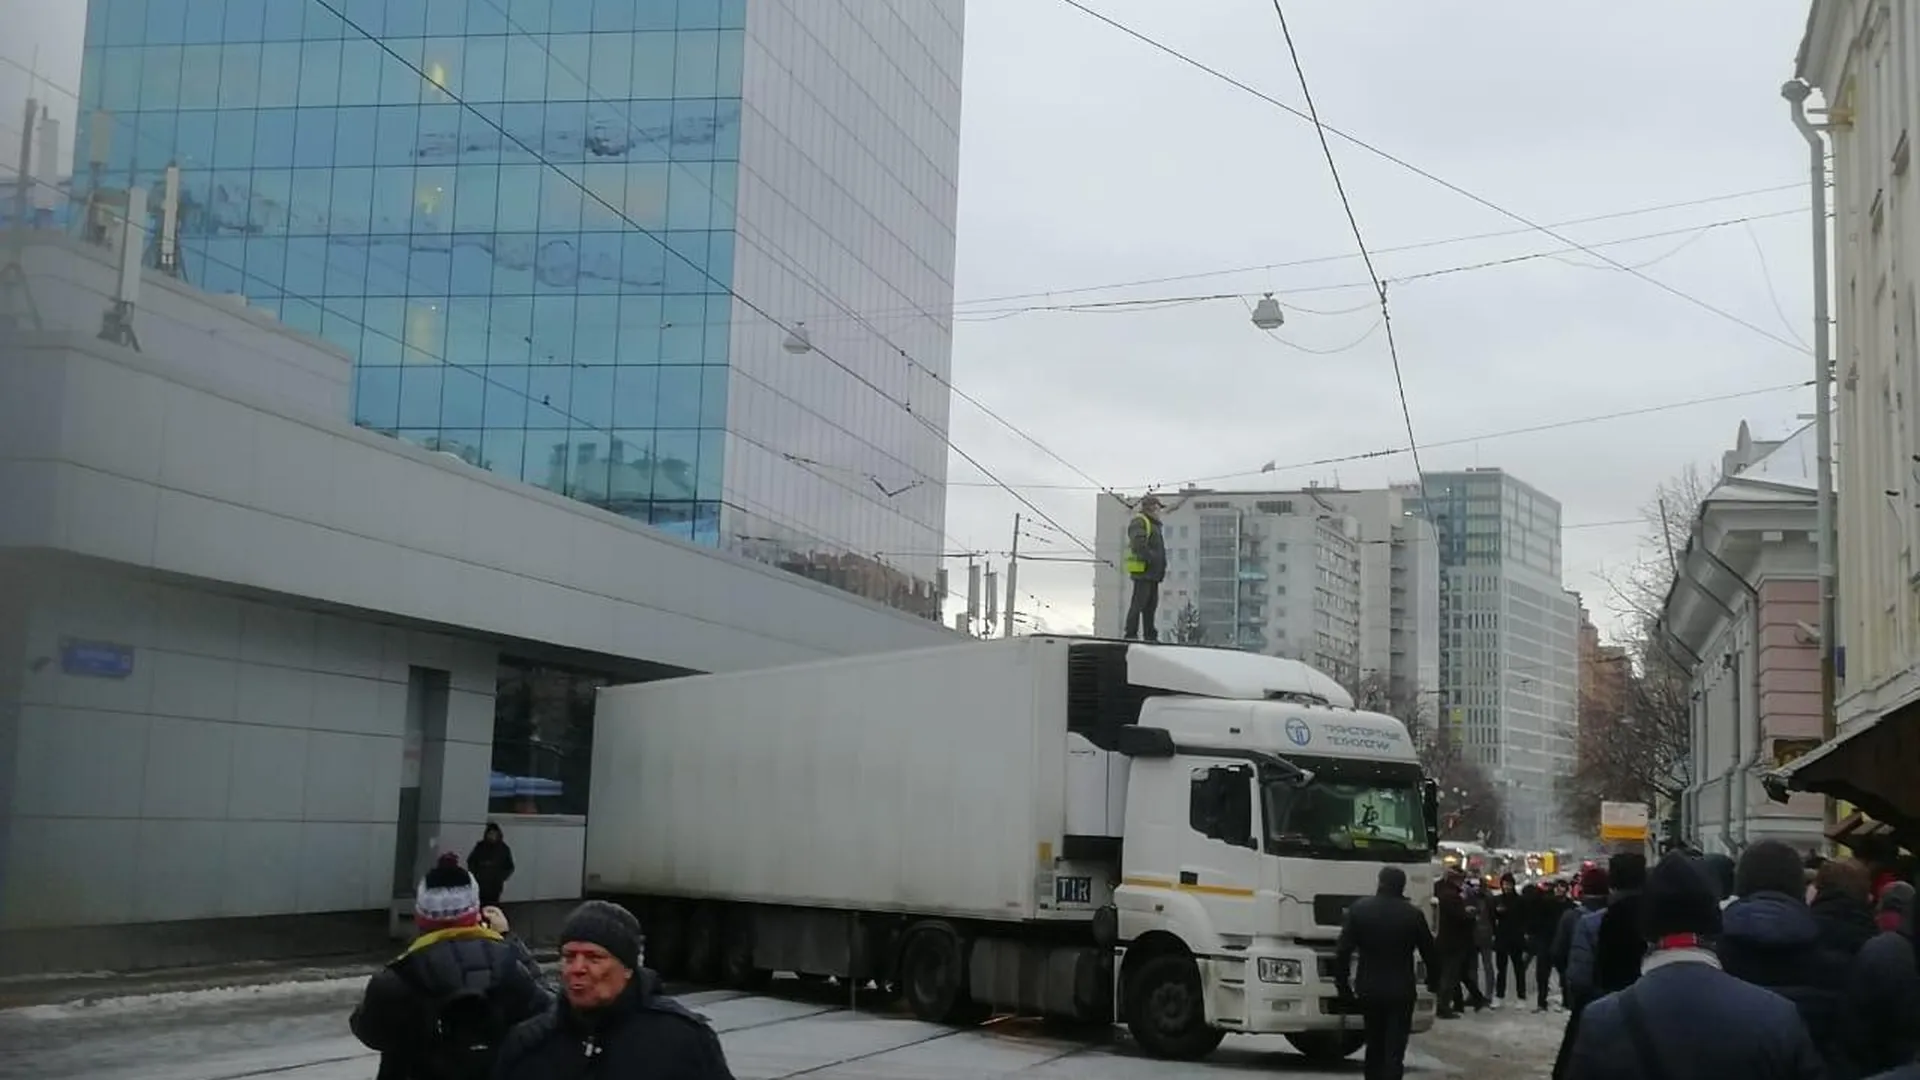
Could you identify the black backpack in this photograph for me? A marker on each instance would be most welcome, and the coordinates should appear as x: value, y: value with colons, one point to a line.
x: 468, y: 1029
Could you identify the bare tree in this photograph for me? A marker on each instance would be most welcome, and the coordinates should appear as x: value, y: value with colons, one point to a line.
x: 1470, y: 805
x: 1187, y: 627
x: 1634, y: 741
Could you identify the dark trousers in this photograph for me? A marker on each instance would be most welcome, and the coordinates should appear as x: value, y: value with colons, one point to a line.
x: 1459, y: 970
x: 1389, y: 1024
x: 1512, y: 957
x: 1141, y: 609
x: 1542, y: 971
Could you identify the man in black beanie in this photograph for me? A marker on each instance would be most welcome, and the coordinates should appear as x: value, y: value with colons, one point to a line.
x: 611, y: 1022
x: 1684, y: 1016
x: 1770, y: 938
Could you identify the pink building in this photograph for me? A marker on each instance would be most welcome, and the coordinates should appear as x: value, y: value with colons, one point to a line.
x: 1744, y: 612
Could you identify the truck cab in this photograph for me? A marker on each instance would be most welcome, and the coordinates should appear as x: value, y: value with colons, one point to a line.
x: 1258, y: 806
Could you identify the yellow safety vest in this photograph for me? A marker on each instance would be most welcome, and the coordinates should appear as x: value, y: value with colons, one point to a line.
x: 1137, y: 565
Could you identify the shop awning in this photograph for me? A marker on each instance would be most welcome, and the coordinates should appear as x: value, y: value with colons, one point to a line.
x: 1873, y: 767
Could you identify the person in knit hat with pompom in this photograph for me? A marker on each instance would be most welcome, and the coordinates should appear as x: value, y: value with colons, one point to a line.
x: 442, y: 1008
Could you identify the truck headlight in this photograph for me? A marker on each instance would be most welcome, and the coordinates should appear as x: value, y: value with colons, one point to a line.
x: 1274, y: 969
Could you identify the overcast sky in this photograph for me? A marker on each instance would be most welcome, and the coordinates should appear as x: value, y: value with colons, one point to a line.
x: 1090, y: 159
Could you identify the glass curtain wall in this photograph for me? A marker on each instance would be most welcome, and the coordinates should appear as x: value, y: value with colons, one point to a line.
x: 484, y: 270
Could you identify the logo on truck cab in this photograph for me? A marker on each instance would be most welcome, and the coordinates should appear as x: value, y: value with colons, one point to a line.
x: 1298, y: 733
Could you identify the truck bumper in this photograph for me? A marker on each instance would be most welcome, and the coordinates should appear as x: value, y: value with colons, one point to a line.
x: 1238, y: 999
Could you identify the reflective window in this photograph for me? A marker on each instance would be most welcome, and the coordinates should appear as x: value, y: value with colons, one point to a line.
x: 552, y: 302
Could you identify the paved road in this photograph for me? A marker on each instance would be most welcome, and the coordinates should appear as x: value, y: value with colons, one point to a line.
x: 298, y: 1032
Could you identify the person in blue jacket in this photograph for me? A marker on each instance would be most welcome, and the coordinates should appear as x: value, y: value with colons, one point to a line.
x: 1684, y: 1016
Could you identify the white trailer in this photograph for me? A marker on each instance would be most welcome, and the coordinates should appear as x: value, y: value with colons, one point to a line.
x: 1077, y: 828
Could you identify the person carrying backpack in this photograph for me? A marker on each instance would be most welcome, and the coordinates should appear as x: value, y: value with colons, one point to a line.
x: 442, y: 1009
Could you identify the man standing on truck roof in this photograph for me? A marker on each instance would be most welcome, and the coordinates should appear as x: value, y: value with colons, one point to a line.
x: 1147, y: 567
x: 1387, y: 931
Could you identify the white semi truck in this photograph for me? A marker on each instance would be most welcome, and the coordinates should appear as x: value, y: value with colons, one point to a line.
x: 1164, y: 835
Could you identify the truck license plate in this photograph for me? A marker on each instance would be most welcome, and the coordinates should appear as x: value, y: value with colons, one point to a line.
x: 1073, y: 890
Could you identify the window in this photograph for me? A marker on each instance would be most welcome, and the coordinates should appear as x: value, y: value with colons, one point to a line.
x: 542, y: 738
x: 1220, y: 804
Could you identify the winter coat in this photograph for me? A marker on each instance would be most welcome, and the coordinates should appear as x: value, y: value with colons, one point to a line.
x: 641, y: 1035
x: 1540, y: 919
x: 395, y: 1014
x: 1564, y: 930
x: 1455, y: 920
x: 1846, y: 924
x: 1584, y: 979
x: 1507, y: 912
x: 1482, y: 911
x: 1618, y: 945
x: 491, y: 864
x: 1772, y: 940
x: 1387, y: 932
x: 1700, y: 1022
x: 1880, y: 1012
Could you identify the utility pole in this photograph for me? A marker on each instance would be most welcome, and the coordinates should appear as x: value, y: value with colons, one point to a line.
x: 1013, y: 575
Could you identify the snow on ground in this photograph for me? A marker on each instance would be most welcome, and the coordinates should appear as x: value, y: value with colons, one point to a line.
x: 298, y: 1031
x: 205, y: 997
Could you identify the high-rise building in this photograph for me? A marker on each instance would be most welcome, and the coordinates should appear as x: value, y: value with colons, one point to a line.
x: 573, y: 241
x: 1344, y: 580
x: 1508, y: 649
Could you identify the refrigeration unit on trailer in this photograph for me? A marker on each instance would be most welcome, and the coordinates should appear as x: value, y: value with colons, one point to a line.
x: 1164, y: 835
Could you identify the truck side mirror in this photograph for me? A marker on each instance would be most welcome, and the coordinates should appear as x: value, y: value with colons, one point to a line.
x: 1430, y: 797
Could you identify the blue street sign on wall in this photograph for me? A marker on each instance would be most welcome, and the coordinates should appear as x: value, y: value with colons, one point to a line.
x: 96, y: 659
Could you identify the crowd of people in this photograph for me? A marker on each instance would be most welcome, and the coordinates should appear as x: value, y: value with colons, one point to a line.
x: 1771, y: 967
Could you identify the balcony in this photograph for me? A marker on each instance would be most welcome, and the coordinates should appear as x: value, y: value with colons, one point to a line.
x: 1252, y: 574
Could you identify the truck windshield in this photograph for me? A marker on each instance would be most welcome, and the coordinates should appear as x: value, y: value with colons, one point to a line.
x: 1352, y: 810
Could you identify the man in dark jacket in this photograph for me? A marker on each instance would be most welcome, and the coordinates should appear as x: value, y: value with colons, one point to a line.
x: 1593, y: 897
x: 456, y: 974
x: 1684, y: 1017
x: 1769, y: 938
x: 1880, y: 1015
x: 1146, y: 564
x: 1507, y: 911
x: 1454, y: 942
x: 1387, y: 932
x: 491, y: 861
x: 612, y: 1022
x: 1540, y: 918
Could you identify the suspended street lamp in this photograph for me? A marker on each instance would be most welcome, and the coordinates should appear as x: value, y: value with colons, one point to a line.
x: 1267, y: 314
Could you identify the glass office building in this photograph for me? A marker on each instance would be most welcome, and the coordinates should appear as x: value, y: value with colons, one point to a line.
x: 1508, y: 644
x: 542, y: 227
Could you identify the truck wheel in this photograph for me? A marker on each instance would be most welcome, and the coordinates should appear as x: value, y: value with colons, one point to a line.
x: 703, y: 945
x: 933, y: 978
x: 1166, y: 1012
x: 1327, y: 1047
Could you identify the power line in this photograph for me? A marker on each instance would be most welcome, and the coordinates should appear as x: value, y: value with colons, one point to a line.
x: 1368, y: 455
x: 1393, y: 250
x: 1428, y: 175
x: 1346, y: 204
x: 702, y: 270
x: 1693, y: 231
